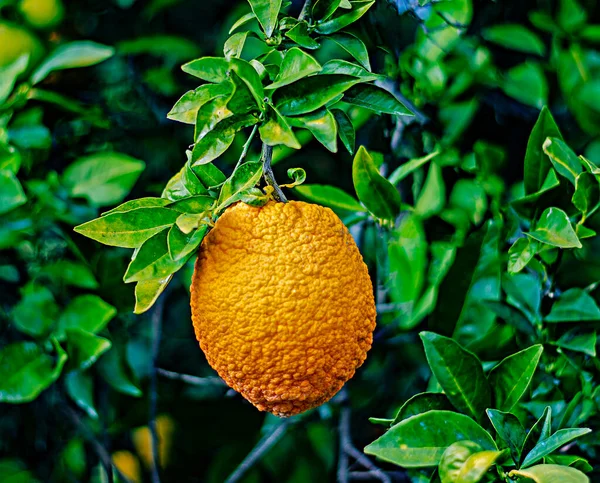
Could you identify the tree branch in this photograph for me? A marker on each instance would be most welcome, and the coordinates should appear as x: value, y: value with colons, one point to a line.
x: 247, y: 146
x: 153, y: 397
x: 262, y: 447
x: 267, y: 156
x: 193, y: 380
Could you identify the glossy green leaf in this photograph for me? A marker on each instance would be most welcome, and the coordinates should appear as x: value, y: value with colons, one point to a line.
x: 422, y: 439
x: 84, y: 348
x: 550, y: 474
x: 574, y: 305
x: 469, y: 196
x: 276, y: 130
x: 579, y: 341
x: 344, y: 18
x: 138, y: 203
x: 244, y: 19
x: 80, y: 388
x: 183, y: 244
x: 186, y: 108
x: 322, y: 124
x: 212, y: 113
x: 113, y: 369
x: 421, y: 403
x: 209, y: 175
x: 338, y: 66
x: 311, y: 93
x: 409, y: 167
x: 70, y: 273
x: 432, y: 198
x: 234, y: 45
x: 192, y: 204
x: 510, y: 430
x: 540, y: 431
x: 330, y: 196
x: 376, y: 99
x: 378, y: 195
x: 520, y: 253
x: 460, y: 374
x: 266, y: 12
x: 148, y: 291
x: 564, y: 160
x: 552, y: 443
x: 515, y: 37
x: 11, y: 192
x: 587, y: 192
x: 527, y: 83
x: 209, y: 69
x: 246, y: 176
x: 36, y: 312
x: 87, y: 312
x: 554, y: 228
x: 454, y: 458
x: 536, y: 161
x: 152, y: 260
x: 345, y: 129
x: 512, y: 376
x: 26, y: 370
x: 129, y: 229
x: 103, y: 178
x: 9, y: 74
x: 295, y: 65
x: 354, y: 46
x: 477, y: 465
x: 323, y: 9
x: 575, y: 461
x: 299, y: 34
x: 82, y: 53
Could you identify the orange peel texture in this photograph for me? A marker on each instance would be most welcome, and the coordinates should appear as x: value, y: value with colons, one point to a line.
x: 282, y: 304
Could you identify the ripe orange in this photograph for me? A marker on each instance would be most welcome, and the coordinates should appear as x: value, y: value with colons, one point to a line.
x: 282, y: 304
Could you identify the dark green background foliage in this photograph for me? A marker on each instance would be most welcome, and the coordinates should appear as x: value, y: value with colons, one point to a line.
x: 458, y: 140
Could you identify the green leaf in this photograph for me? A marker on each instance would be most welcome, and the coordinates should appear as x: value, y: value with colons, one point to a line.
x: 152, y: 260
x: 565, y: 161
x: 80, y: 388
x: 149, y: 202
x: 338, y: 66
x: 266, y: 12
x: 587, y: 192
x: 378, y: 195
x: 234, y: 45
x: 246, y: 176
x: 322, y: 124
x: 112, y: 367
x: 330, y: 196
x: 554, y: 228
x: 454, y: 458
x: 181, y: 244
x: 11, y: 192
x: 84, y: 348
x: 552, y: 443
x: 186, y: 108
x: 25, y: 371
x: 192, y: 204
x: 539, y: 431
x: 470, y: 197
x: 323, y: 9
x: 276, y: 130
x: 36, y: 312
x: 574, y: 305
x: 575, y: 461
x: 527, y: 84
x: 578, y: 341
x: 460, y: 374
x: 550, y: 474
x: 345, y: 129
x: 520, y: 254
x: 422, y: 439
x: 14, y: 471
x: 343, y: 19
x: 129, y: 229
x: 148, y: 291
x: 299, y: 34
x: 512, y: 376
x: 376, y: 99
x: 82, y: 53
x: 354, y: 46
x: 477, y: 465
x: 510, y: 430
x: 217, y: 141
x: 421, y: 403
x: 432, y: 198
x: 311, y: 93
x: 295, y: 65
x: 70, y: 273
x: 242, y: 20
x: 409, y: 167
x: 209, y: 175
x: 515, y: 37
x: 86, y: 312
x: 212, y: 113
x: 103, y: 178
x: 9, y: 74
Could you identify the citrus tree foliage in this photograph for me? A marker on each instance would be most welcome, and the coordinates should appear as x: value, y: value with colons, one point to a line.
x: 459, y: 143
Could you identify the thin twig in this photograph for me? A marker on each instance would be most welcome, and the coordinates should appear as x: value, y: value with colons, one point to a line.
x: 367, y: 463
x: 247, y: 146
x: 397, y: 476
x: 153, y: 397
x: 193, y: 380
x: 262, y: 447
x: 100, y: 450
x: 267, y: 156
x: 344, y: 430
